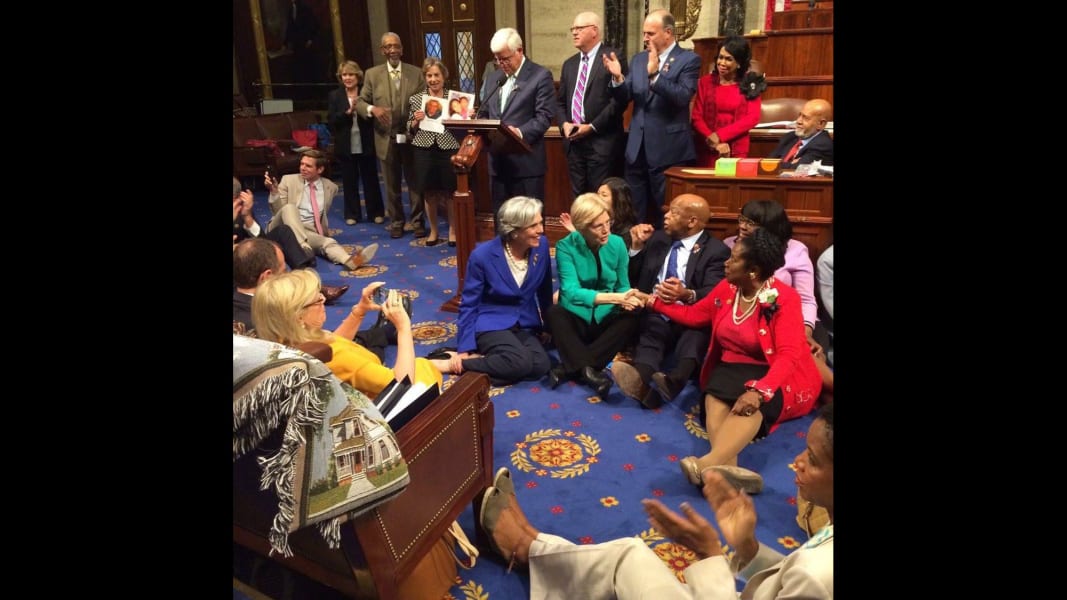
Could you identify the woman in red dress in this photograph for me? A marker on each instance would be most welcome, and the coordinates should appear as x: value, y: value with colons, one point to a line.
x: 759, y: 371
x: 727, y: 104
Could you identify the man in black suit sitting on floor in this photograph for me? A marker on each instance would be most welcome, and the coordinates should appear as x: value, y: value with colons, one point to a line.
x: 807, y: 142
x: 680, y: 263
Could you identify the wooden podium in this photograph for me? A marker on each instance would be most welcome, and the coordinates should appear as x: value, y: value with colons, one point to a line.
x: 477, y: 133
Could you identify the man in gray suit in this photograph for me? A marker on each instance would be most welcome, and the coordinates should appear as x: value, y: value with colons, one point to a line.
x: 384, y: 99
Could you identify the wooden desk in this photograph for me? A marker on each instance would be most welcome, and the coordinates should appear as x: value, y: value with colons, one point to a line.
x: 449, y: 450
x: 809, y: 202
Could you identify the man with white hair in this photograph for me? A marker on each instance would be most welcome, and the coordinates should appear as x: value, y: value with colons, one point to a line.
x: 522, y: 96
x: 591, y: 117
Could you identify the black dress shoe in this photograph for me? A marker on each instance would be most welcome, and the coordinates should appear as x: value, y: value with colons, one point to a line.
x: 597, y: 380
x: 452, y: 243
x: 668, y: 389
x: 332, y: 293
x: 556, y: 375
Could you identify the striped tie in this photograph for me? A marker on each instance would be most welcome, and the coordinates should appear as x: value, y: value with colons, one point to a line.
x: 579, y: 91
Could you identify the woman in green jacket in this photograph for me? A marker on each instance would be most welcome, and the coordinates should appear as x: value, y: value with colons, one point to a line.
x: 594, y: 318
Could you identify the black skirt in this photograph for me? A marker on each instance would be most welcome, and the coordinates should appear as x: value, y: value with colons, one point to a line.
x: 727, y: 383
x: 433, y: 170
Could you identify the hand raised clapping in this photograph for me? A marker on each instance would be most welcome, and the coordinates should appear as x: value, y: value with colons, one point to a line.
x: 611, y: 63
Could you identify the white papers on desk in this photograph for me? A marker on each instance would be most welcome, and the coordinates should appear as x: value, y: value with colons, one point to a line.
x: 777, y: 124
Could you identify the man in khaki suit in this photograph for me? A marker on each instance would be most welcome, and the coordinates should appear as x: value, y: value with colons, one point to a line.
x: 384, y: 99
x: 301, y: 201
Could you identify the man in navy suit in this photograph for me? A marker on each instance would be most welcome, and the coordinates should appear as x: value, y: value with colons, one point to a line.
x: 661, y: 83
x: 592, y: 119
x: 815, y: 144
x: 525, y: 102
x: 698, y: 265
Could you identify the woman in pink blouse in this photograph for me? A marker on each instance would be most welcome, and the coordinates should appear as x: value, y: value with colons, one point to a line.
x: 724, y: 111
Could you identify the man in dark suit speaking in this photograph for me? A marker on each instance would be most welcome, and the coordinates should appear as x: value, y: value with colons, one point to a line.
x: 680, y: 263
x: 661, y: 83
x: 523, y: 101
x: 807, y: 142
x: 592, y: 118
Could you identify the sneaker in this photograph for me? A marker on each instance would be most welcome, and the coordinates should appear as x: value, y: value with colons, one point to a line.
x: 378, y: 220
x: 351, y: 221
x: 361, y: 257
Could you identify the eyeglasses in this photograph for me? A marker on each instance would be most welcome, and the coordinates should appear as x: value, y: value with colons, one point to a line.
x: 743, y: 220
x: 605, y: 226
x: 321, y: 300
x: 578, y: 28
x: 503, y: 59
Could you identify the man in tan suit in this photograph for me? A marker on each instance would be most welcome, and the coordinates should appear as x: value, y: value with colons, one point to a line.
x: 384, y: 99
x: 302, y: 201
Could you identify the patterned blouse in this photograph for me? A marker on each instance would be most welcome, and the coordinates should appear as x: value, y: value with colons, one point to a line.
x: 426, y: 139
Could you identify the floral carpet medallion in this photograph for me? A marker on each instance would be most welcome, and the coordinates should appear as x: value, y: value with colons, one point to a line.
x: 432, y: 332
x: 556, y: 453
x: 365, y: 272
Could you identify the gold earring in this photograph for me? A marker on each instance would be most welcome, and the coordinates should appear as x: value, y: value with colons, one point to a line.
x: 752, y: 275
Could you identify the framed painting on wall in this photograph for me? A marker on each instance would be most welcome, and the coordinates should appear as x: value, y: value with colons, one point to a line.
x: 298, y: 46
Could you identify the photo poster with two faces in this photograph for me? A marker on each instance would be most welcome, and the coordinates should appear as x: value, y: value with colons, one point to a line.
x: 460, y: 105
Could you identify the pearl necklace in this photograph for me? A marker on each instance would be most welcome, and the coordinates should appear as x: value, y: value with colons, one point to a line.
x: 513, y: 261
x: 751, y: 307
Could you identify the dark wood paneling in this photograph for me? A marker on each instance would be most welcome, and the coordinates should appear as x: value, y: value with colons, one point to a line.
x: 802, y: 19
x: 360, y: 45
x: 245, y: 47
x: 798, y: 63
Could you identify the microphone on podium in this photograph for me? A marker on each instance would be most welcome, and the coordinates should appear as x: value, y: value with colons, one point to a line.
x: 484, y: 108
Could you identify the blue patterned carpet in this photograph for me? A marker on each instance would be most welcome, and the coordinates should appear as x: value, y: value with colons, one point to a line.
x: 580, y: 465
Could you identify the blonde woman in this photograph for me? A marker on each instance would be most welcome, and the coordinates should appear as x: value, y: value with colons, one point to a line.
x: 289, y: 309
x: 353, y: 143
x: 594, y: 317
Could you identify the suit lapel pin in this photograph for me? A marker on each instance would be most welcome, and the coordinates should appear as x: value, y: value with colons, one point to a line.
x: 696, y: 249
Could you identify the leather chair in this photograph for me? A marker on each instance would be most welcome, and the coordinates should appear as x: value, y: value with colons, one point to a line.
x: 780, y: 109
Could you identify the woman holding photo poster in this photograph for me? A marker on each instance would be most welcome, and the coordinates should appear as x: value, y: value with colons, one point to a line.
x: 433, y: 148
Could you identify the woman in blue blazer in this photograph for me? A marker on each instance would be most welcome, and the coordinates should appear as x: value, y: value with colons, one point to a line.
x: 507, y: 289
x: 593, y: 319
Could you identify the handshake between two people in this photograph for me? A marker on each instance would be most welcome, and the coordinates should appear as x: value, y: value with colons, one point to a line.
x: 669, y: 291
